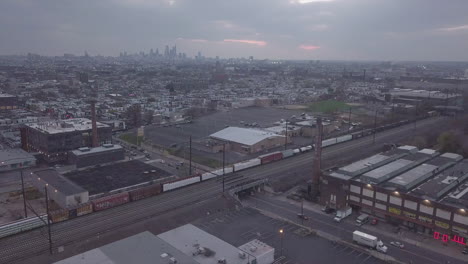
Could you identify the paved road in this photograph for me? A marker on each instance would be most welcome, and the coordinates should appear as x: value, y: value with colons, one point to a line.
x: 34, y: 242
x: 343, y: 230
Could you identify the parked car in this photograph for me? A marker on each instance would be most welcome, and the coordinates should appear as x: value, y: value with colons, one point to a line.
x: 374, y: 221
x: 397, y: 244
x: 329, y: 210
x: 303, y: 216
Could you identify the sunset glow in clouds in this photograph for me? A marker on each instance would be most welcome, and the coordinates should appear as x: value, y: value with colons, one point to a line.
x: 309, y: 47
x: 247, y: 41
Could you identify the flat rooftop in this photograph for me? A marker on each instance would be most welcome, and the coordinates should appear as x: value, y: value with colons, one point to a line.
x: 63, y: 126
x: 422, y: 94
x: 189, y: 238
x: 444, y: 182
x: 396, y: 167
x: 143, y: 248
x: 362, y: 166
x: 115, y: 176
x: 245, y: 136
x: 88, y: 151
x: 415, y: 176
x: 55, y: 179
x: 12, y: 155
x: 458, y: 197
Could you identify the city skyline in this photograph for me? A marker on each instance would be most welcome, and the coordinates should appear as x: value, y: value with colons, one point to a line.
x: 281, y: 29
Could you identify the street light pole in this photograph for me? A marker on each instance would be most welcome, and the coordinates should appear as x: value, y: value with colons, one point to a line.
x: 375, y: 127
x: 281, y: 231
x: 48, y: 219
x: 24, y: 195
x: 190, y: 156
x: 302, y: 210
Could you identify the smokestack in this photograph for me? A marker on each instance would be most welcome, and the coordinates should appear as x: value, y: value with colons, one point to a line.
x: 317, y: 159
x: 93, y: 121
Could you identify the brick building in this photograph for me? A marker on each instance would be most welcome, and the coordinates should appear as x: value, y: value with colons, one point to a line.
x: 55, y: 139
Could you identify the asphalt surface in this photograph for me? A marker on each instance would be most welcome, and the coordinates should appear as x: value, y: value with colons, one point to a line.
x: 299, y: 245
x: 29, y: 244
x: 343, y: 230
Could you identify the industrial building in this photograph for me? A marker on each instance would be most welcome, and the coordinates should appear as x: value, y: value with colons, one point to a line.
x: 117, y: 176
x: 60, y: 190
x: 419, y: 97
x: 55, y: 139
x: 185, y: 245
x: 246, y: 140
x: 424, y: 190
x: 12, y: 159
x: 8, y: 102
x: 85, y: 156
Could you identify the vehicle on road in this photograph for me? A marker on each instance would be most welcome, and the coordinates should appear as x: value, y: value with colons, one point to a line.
x: 342, y: 214
x: 303, y: 216
x: 362, y: 219
x: 465, y: 251
x: 397, y: 244
x: 374, y: 221
x: 369, y: 241
x: 328, y: 210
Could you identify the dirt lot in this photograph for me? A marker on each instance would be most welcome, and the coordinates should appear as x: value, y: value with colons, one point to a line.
x: 12, y: 208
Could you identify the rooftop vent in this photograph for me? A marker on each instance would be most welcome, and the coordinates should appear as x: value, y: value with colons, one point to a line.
x: 84, y: 149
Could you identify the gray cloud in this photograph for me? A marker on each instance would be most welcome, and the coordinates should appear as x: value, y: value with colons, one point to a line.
x: 339, y: 29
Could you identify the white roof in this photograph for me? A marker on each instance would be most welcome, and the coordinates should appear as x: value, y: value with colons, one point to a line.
x: 189, y: 238
x: 246, y: 136
x: 67, y: 125
x: 256, y: 248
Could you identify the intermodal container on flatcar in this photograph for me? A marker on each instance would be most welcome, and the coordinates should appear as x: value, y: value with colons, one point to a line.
x: 59, y: 215
x: 145, y: 192
x: 267, y: 158
x: 110, y: 201
x: 84, y: 209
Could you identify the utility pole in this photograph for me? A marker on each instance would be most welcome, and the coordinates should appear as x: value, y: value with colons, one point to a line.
x: 190, y: 157
x: 349, y: 120
x: 224, y: 161
x: 24, y: 195
x: 286, y: 136
x: 375, y: 127
x: 48, y: 219
x: 302, y: 211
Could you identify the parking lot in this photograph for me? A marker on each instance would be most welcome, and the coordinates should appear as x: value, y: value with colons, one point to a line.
x: 299, y: 245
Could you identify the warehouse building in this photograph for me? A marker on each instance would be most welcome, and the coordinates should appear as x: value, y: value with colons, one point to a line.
x: 246, y: 140
x: 423, y: 190
x: 419, y: 97
x: 60, y: 190
x: 12, y: 159
x: 142, y: 248
x: 184, y: 245
x: 85, y: 156
x: 55, y: 139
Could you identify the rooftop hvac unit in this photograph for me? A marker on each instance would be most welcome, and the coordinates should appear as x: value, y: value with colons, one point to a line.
x: 222, y: 261
x: 242, y: 255
x: 173, y: 260
x: 253, y: 248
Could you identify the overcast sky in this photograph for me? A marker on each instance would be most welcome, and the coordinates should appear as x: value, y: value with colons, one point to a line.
x: 275, y: 29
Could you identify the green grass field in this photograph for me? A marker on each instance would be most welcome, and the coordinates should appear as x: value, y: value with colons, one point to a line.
x: 130, y: 138
x: 328, y: 106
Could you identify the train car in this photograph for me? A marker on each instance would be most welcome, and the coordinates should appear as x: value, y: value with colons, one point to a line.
x: 110, y: 201
x: 287, y: 153
x: 270, y: 157
x: 329, y: 142
x: 59, y: 215
x: 180, y: 183
x: 297, y: 151
x: 247, y: 164
x: 84, y: 209
x: 22, y: 225
x: 145, y: 192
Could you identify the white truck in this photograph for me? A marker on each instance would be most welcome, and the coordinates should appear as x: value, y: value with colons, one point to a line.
x: 369, y: 241
x: 342, y: 214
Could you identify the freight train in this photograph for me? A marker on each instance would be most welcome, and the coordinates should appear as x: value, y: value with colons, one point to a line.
x: 114, y: 200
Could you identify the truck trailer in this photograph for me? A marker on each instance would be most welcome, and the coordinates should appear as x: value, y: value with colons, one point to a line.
x: 342, y: 214
x: 369, y: 241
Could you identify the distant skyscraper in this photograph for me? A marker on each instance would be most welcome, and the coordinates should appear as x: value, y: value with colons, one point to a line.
x: 166, y: 52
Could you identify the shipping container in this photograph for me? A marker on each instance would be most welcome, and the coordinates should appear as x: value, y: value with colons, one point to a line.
x: 344, y: 138
x: 59, y: 215
x: 180, y: 183
x: 267, y: 158
x: 145, y: 192
x: 110, y: 201
x: 247, y: 164
x: 216, y: 173
x: 84, y: 209
x: 72, y: 213
x: 287, y: 153
x: 329, y: 142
